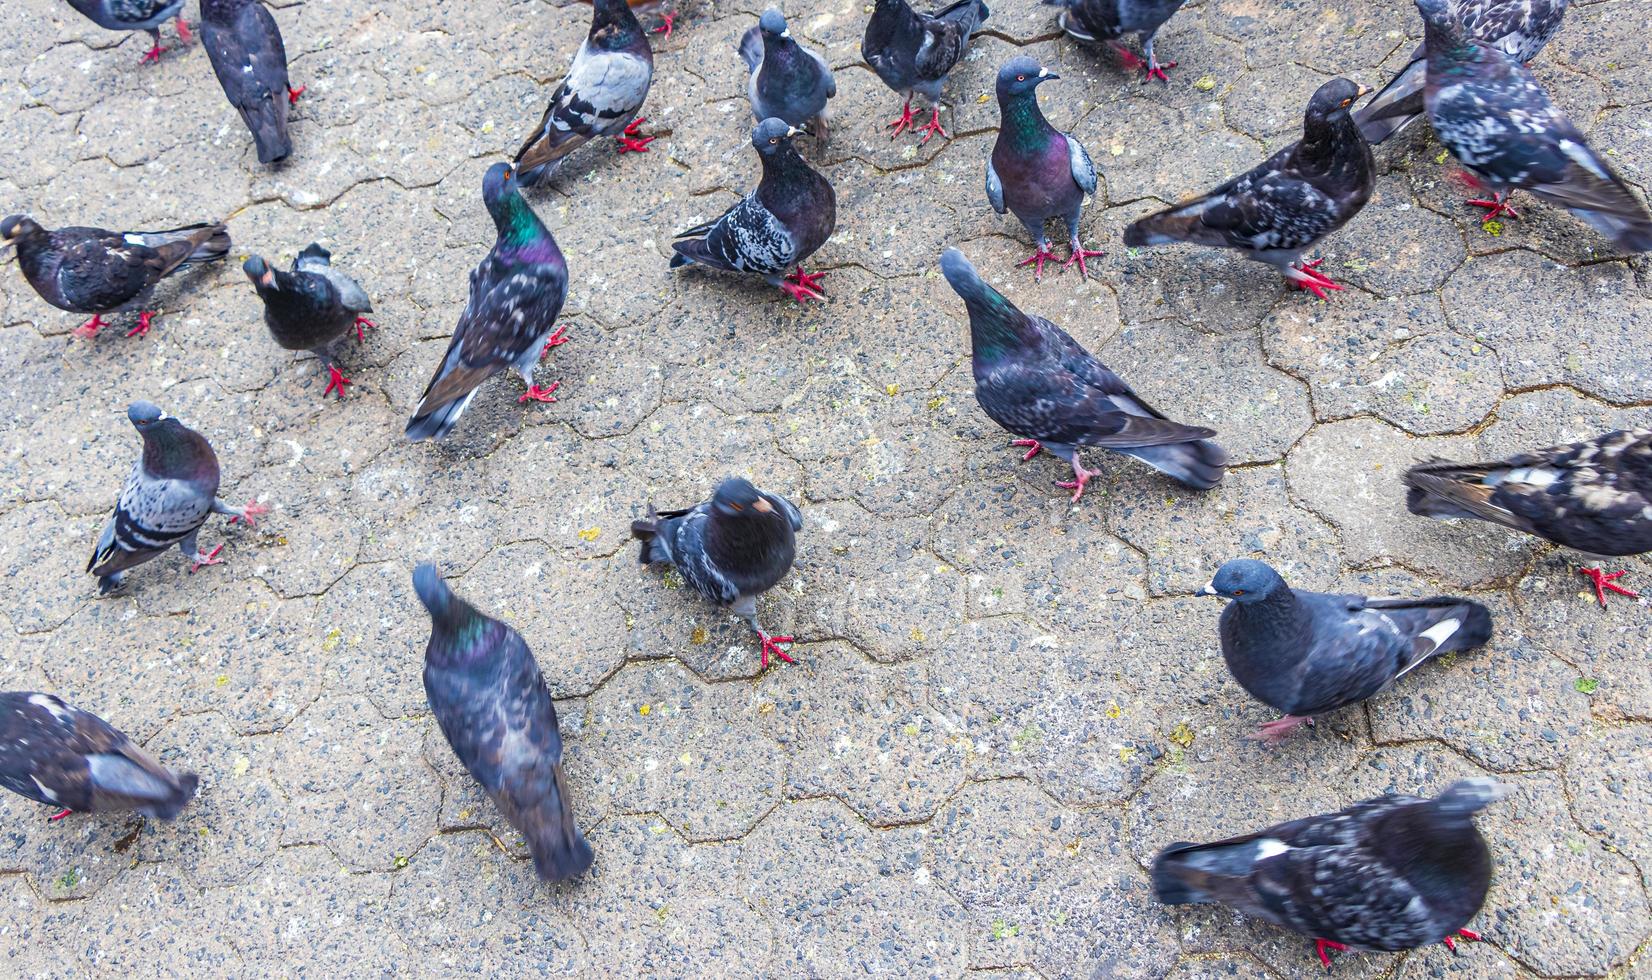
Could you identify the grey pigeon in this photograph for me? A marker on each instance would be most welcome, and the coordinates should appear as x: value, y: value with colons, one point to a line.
x: 1092, y: 21
x: 491, y: 702
x: 601, y: 95
x: 788, y: 82
x: 1494, y: 117
x: 1284, y: 206
x: 310, y: 307
x: 1306, y: 653
x: 913, y: 52
x: 790, y: 215
x: 1392, y: 873
x: 1036, y: 171
x: 730, y: 549
x: 90, y: 270
x: 136, y: 15
x: 1594, y: 496
x: 58, y: 755
x: 1518, y: 28
x: 172, y: 489
x: 510, y: 318
x: 250, y: 61
x: 1037, y: 382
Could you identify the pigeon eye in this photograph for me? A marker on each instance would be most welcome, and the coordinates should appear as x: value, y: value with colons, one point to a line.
x: 1347, y: 102
x: 1020, y: 78
x: 738, y: 506
x: 1238, y: 591
x: 774, y: 139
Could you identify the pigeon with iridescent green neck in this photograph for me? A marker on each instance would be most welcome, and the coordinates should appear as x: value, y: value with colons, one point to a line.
x: 788, y: 81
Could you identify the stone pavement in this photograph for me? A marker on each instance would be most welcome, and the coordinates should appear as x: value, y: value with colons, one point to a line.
x: 1003, y: 704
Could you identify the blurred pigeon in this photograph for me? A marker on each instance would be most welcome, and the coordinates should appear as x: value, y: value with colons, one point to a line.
x: 790, y: 215
x: 490, y: 700
x: 1594, y: 496
x: 1499, y: 123
x: 1518, y: 28
x: 913, y: 52
x: 667, y: 16
x: 730, y: 549
x: 136, y: 15
x: 311, y: 306
x: 1306, y: 653
x: 58, y: 755
x: 510, y: 318
x: 245, y: 48
x: 601, y: 95
x: 1037, y: 171
x: 90, y: 270
x: 1091, y: 21
x: 1392, y: 873
x: 1288, y: 203
x: 787, y: 82
x: 1034, y: 380
x: 172, y: 489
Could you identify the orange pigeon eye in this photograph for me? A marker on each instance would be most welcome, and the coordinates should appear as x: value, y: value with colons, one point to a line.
x: 1238, y: 591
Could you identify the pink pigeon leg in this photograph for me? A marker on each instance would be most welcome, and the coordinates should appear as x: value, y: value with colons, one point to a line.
x: 1605, y: 583
x: 54, y: 818
x: 1034, y: 444
x: 1079, y: 254
x: 361, y: 322
x: 1274, y: 732
x: 904, y: 122
x: 556, y: 339
x: 1321, y: 945
x: 932, y: 127
x: 1041, y: 255
x: 207, y: 558
x: 252, y: 510
x: 538, y: 394
x: 91, y: 327
x: 630, y: 141
x: 1309, y: 278
x: 335, y: 381
x: 294, y: 93
x: 771, y: 645
x: 144, y: 320
x: 183, y: 31
x: 670, y: 18
x: 1081, y: 476
x: 1496, y: 206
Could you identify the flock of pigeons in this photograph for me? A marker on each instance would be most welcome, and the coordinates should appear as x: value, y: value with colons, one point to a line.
x: 1386, y: 874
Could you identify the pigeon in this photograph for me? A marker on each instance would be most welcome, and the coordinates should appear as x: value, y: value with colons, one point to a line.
x: 789, y: 216
x: 311, y: 306
x: 1306, y: 653
x: 1499, y: 123
x: 250, y: 61
x: 490, y: 700
x: 1594, y: 496
x: 601, y: 95
x: 171, y: 490
x: 1090, y: 21
x: 1281, y: 208
x: 509, y: 320
x: 61, y: 756
x: 730, y: 549
x: 136, y: 15
x: 90, y: 270
x: 1518, y: 28
x: 1396, y: 872
x: 913, y: 53
x: 787, y: 82
x: 1036, y: 171
x: 667, y: 16
x: 1037, y: 382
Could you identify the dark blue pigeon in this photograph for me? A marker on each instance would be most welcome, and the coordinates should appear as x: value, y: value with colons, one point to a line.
x: 730, y: 549
x: 250, y: 60
x: 310, y: 307
x: 1306, y: 653
x: 913, y: 52
x: 1388, y: 874
x: 1036, y: 171
x: 790, y: 215
x: 1500, y: 124
x: 491, y: 702
x: 1093, y: 21
x: 787, y: 82
x: 1037, y: 382
x: 136, y: 15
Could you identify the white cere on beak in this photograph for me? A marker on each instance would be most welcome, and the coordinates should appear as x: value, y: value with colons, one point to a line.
x: 786, y: 33
x: 1209, y: 589
x: 1043, y: 72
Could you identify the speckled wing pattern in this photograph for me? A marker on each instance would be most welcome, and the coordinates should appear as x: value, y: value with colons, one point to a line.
x: 151, y: 515
x: 102, y: 270
x: 945, y: 38
x: 748, y: 238
x: 686, y: 536
x: 58, y: 755
x: 604, y: 90
x: 510, y: 308
x: 142, y: 13
x: 1267, y: 208
x: 1518, y: 28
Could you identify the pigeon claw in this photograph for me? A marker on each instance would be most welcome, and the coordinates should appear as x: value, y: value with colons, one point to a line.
x: 1034, y: 446
x: 294, y: 93
x: 1081, y: 476
x: 538, y: 394
x: 771, y: 645
x: 144, y: 322
x: 1311, y: 279
x: 153, y: 54
x: 1496, y: 205
x: 1157, y: 69
x: 1079, y: 254
x: 904, y: 122
x: 630, y: 141
x: 54, y: 818
x: 1604, y: 583
x: 1320, y: 947
x: 335, y: 381
x: 252, y: 510
x: 1037, y: 260
x: 207, y: 558
x: 91, y: 327
x: 184, y: 34
x: 1468, y: 935
x: 802, y: 286
x: 932, y: 127
x: 670, y: 17
x: 808, y: 280
x: 361, y: 322
x: 556, y: 339
x: 1274, y: 732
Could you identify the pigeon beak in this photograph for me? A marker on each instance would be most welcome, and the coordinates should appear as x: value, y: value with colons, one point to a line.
x: 796, y: 130
x: 762, y: 506
x: 1209, y: 589
x: 1364, y: 90
x: 1045, y: 75
x: 786, y: 33
x: 268, y: 278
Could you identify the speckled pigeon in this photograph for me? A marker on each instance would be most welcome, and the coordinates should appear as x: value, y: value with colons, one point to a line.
x: 510, y: 318
x: 250, y: 61
x: 790, y: 215
x: 601, y: 95
x: 1518, y: 28
x: 61, y: 756
x: 1306, y: 653
x: 1392, y: 873
x: 136, y: 15
x: 172, y: 489
x: 90, y: 270
x: 730, y: 549
x: 913, y: 52
x: 1285, y: 205
x: 1594, y: 496
x: 788, y: 82
x: 1494, y: 117
x: 1037, y: 382
x: 310, y: 307
x: 1035, y: 170
x: 1093, y: 21
x: 491, y: 702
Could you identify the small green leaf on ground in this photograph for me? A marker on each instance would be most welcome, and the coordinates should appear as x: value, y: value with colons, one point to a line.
x: 1585, y: 685
x: 1004, y: 930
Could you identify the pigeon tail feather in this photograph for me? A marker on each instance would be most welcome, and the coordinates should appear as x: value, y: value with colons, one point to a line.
x: 1200, y: 464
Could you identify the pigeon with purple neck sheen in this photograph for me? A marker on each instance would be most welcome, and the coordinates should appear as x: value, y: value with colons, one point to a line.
x: 310, y: 307
x: 1095, y: 21
x: 788, y: 82
x: 244, y: 45
x: 136, y: 15
x: 913, y: 52
x: 1036, y: 171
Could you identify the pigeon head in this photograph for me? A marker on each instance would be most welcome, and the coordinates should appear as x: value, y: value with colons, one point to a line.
x: 771, y: 134
x: 736, y: 498
x: 773, y: 24
x: 614, y: 27
x: 16, y: 227
x: 259, y: 271
x: 144, y: 415
x: 1469, y: 796
x: 994, y: 322
x: 438, y: 599
x: 1336, y: 96
x: 518, y: 226
x: 458, y: 632
x: 1244, y: 580
x: 170, y: 448
x: 1021, y: 76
